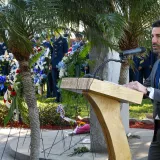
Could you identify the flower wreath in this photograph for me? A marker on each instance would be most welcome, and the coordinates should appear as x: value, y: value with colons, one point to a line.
x: 13, y: 96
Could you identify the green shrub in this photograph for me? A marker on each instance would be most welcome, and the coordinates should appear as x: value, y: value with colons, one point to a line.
x: 3, y: 113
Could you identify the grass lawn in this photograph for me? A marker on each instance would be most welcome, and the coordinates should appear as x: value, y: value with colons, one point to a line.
x: 136, y: 111
x: 140, y: 111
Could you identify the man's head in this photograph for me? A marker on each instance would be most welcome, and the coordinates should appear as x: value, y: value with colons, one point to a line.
x: 78, y: 36
x: 156, y: 37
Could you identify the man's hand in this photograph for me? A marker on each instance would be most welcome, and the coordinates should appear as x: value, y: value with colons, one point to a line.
x: 137, y: 86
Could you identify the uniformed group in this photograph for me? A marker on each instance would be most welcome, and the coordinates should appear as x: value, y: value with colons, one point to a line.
x: 59, y: 47
x: 142, y: 66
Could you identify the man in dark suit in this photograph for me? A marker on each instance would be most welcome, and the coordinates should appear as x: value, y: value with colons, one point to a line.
x: 151, y: 88
x: 60, y: 48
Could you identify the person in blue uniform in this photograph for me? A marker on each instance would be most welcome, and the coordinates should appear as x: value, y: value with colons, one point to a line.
x: 3, y: 48
x: 50, y: 90
x: 78, y: 43
x: 4, y: 66
x: 145, y: 66
x: 133, y: 71
x: 60, y: 48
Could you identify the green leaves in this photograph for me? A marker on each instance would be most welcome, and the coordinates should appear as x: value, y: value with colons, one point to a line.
x: 80, y: 150
x: 74, y: 63
x: 35, y: 58
x: 17, y: 101
x: 112, y: 26
x: 11, y: 110
x: 22, y: 19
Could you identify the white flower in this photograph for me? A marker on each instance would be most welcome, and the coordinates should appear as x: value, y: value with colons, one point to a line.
x: 8, y: 104
x: 62, y: 73
x: 64, y: 58
x: 37, y: 84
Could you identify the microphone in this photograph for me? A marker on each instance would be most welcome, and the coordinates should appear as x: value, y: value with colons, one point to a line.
x: 122, y: 55
x: 133, y: 51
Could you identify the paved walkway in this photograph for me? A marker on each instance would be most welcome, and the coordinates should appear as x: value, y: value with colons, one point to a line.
x: 60, y: 151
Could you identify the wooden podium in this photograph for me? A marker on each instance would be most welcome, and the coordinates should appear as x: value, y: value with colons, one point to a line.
x: 105, y: 98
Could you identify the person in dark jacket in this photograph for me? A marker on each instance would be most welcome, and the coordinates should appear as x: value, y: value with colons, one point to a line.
x: 151, y: 89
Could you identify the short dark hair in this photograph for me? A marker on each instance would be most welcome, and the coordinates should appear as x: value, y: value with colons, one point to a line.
x: 156, y: 24
x: 78, y: 35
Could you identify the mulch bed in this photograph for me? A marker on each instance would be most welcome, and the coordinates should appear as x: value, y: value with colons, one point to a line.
x: 48, y: 127
x: 141, y: 125
x: 54, y: 127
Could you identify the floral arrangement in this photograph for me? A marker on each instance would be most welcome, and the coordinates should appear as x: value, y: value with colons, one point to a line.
x: 13, y: 95
x: 11, y: 83
x: 40, y: 67
x: 74, y: 58
x: 80, y: 123
x: 61, y: 111
x: 62, y: 66
x: 2, y: 81
x: 11, y: 90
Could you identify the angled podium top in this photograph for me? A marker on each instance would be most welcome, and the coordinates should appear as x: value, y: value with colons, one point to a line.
x: 106, y: 88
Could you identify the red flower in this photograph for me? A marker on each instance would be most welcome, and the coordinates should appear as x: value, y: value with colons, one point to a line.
x: 13, y: 93
x: 9, y: 88
x: 39, y: 49
x: 4, y: 100
x: 9, y: 101
x: 18, y: 71
x: 70, y: 49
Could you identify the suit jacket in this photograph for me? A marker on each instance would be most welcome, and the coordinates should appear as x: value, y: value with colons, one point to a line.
x: 150, y: 82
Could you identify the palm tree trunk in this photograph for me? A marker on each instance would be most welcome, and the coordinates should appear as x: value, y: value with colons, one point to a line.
x: 30, y: 98
x: 123, y: 79
x: 98, y: 55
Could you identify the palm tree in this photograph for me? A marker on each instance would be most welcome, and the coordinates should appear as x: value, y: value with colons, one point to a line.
x: 22, y: 19
x: 138, y: 17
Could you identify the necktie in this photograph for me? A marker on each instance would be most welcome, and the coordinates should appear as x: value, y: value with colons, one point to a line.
x: 157, y: 77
